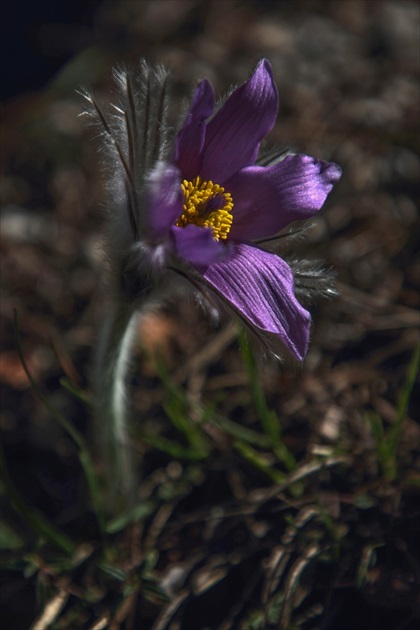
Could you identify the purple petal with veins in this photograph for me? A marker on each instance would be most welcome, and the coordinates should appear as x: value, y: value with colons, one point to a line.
x: 267, y: 199
x: 260, y: 286
x: 233, y: 136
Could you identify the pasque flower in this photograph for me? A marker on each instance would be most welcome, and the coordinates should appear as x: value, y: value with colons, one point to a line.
x: 198, y: 204
x: 212, y: 201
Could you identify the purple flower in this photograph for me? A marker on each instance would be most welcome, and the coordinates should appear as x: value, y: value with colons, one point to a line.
x: 208, y: 206
x: 200, y: 205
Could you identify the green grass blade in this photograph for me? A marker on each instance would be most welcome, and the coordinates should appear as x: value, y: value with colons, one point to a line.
x: 133, y: 515
x: 269, y: 420
x: 84, y: 455
x: 172, y: 448
x: 395, y: 432
x: 259, y: 462
x: 34, y: 519
x: 179, y: 415
x: 77, y: 392
x: 242, y: 433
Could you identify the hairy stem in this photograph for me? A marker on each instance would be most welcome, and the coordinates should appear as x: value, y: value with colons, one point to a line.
x: 112, y: 366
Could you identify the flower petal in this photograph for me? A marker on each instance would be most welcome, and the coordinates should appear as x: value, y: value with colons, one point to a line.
x: 234, y: 134
x: 266, y: 199
x: 260, y: 286
x: 197, y: 246
x: 190, y: 139
x: 164, y: 199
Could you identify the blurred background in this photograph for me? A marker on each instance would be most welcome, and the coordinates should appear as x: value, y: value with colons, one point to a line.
x: 221, y: 544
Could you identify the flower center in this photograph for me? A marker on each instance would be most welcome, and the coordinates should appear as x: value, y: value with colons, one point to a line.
x: 207, y: 205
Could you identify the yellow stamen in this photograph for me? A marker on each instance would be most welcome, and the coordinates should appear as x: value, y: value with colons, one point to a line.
x: 208, y: 205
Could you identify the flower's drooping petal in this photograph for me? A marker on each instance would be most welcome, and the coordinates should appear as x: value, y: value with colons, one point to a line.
x: 164, y: 199
x: 234, y: 134
x: 197, y: 246
x: 190, y: 139
x: 266, y: 199
x: 260, y: 286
